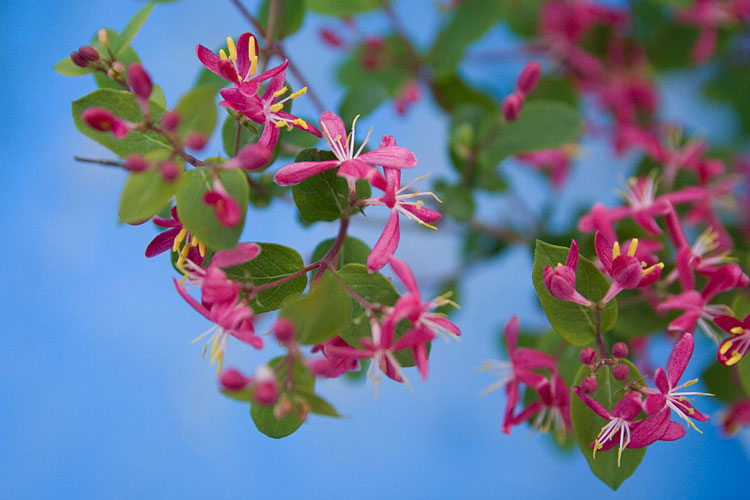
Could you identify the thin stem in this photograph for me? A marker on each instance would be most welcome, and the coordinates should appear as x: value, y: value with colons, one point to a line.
x: 237, y: 136
x: 599, y: 339
x: 111, y: 163
x: 290, y: 277
x: 365, y: 303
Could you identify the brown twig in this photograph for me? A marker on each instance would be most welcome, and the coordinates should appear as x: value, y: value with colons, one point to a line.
x: 110, y: 163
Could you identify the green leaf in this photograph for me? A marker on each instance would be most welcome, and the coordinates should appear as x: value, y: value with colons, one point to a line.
x: 719, y: 381
x: 229, y: 135
x: 243, y: 395
x: 353, y: 251
x: 374, y: 288
x: 119, y: 44
x: 127, y: 57
x: 65, y: 66
x: 342, y: 7
x: 274, y: 262
x: 318, y: 405
x: 450, y: 91
x: 199, y: 218
x: 638, y: 318
x: 458, y: 201
x: 197, y: 111
x: 322, y: 313
x: 263, y: 416
x: 145, y: 193
x: 743, y: 368
x: 587, y: 424
x: 363, y: 99
x: 122, y: 104
x: 542, y: 125
x: 523, y: 16
x: 574, y: 322
x: 289, y: 17
x: 470, y: 21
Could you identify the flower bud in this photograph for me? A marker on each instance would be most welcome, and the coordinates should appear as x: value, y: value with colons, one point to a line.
x: 140, y: 82
x: 111, y: 74
x: 282, y: 408
x: 251, y: 157
x: 620, y: 372
x: 266, y: 393
x: 89, y: 53
x: 233, y: 380
x: 118, y: 67
x: 169, y: 170
x: 627, y: 271
x: 105, y: 121
x: 136, y: 163
x: 284, y: 331
x: 588, y: 356
x: 528, y: 78
x: 78, y: 59
x: 331, y: 38
x: 588, y: 385
x: 226, y: 209
x: 103, y: 37
x: 512, y: 105
x: 170, y: 120
x: 561, y: 284
x: 620, y: 350
x: 195, y: 141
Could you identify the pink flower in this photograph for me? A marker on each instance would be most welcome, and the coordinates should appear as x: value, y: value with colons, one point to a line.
x: 626, y: 271
x: 173, y: 237
x: 552, y: 409
x: 555, y: 161
x: 561, y: 281
x: 226, y: 209
x: 666, y: 395
x: 738, y: 415
x: 519, y: 370
x: 354, y: 164
x: 334, y: 364
x: 240, y: 66
x: 105, y: 121
x: 732, y: 350
x: 409, y: 95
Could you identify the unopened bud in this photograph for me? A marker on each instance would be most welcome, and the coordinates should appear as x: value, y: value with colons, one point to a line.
x: 89, y: 53
x: 620, y: 350
x: 266, y: 393
x: 170, y: 120
x: 169, y: 170
x: 195, y: 141
x: 105, y: 121
x: 140, y: 82
x: 587, y: 356
x: 512, y: 105
x: 303, y: 409
x: 282, y: 408
x: 118, y: 67
x: 136, y: 163
x: 588, y: 385
x: 284, y: 330
x: 78, y: 59
x: 112, y: 74
x: 620, y: 372
x: 233, y: 380
x: 331, y: 38
x: 528, y: 78
x: 251, y: 157
x: 103, y: 37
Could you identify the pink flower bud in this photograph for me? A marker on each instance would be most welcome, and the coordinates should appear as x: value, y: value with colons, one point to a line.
x: 528, y: 78
x: 170, y: 120
x: 620, y: 350
x: 284, y: 331
x: 251, y: 157
x: 561, y: 283
x: 588, y: 356
x: 118, y: 67
x: 78, y: 59
x: 195, y: 141
x: 512, y: 105
x: 233, y: 380
x: 169, y: 170
x: 266, y: 392
x: 140, y: 82
x: 331, y: 38
x: 627, y: 271
x: 105, y: 121
x: 282, y: 408
x: 136, y: 163
x: 89, y: 53
x: 103, y: 37
x: 226, y: 209
x: 620, y: 372
x: 588, y: 385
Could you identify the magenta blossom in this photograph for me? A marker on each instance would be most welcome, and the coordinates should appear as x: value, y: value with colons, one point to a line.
x: 105, y: 121
x: 666, y: 395
x: 225, y: 207
x: 555, y: 161
x: 561, y: 281
x: 395, y: 198
x: 552, y: 410
x: 173, y: 237
x: 240, y: 65
x: 737, y: 416
x: 734, y: 348
x: 353, y: 164
x: 626, y: 271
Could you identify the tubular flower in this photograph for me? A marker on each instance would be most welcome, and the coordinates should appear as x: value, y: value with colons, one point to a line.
x: 734, y: 348
x: 225, y: 207
x: 354, y: 163
x: 193, y: 249
x: 561, y: 281
x: 554, y: 161
x: 240, y: 65
x: 627, y: 271
x: 665, y: 394
x: 736, y: 417
x: 552, y: 410
x: 517, y: 371
x: 395, y: 198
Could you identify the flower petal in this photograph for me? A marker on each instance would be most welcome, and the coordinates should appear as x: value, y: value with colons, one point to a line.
x: 294, y: 173
x: 240, y: 254
x: 162, y: 242
x: 679, y: 358
x: 386, y: 245
x: 390, y: 156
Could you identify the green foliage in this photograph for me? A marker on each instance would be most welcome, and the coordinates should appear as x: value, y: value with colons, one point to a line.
x: 199, y: 218
x: 145, y: 193
x: 197, y: 111
x: 374, y: 288
x: 65, y: 66
x: 275, y: 262
x: 574, y: 322
x: 730, y: 86
x: 343, y: 7
x: 522, y: 16
x: 451, y: 91
x: 353, y: 251
x: 363, y: 99
x: 248, y: 135
x: 122, y: 42
x: 720, y: 382
x: 457, y: 199
x: 122, y: 104
x: 469, y: 22
x: 637, y: 317
x: 127, y: 56
x: 263, y: 416
x: 587, y: 425
x: 289, y: 17
x: 320, y: 314
x: 318, y: 405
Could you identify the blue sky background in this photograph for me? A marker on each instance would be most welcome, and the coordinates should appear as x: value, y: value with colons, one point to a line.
x: 102, y: 396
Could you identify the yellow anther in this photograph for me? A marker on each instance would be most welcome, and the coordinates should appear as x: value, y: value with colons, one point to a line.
x: 193, y: 241
x: 736, y: 356
x: 302, y: 123
x: 691, y: 410
x: 648, y: 270
x: 280, y: 92
x: 616, y: 250
x: 223, y: 55
x: 232, y: 48
x: 251, y: 49
x: 337, y: 138
x: 633, y: 247
x: 281, y: 123
x: 690, y: 382
x: 725, y: 347
x: 276, y: 107
x: 420, y: 203
x: 619, y: 455
x: 300, y: 92
x: 253, y: 65
x: 201, y: 249
x: 182, y: 257
x: 179, y: 239
x: 737, y: 330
